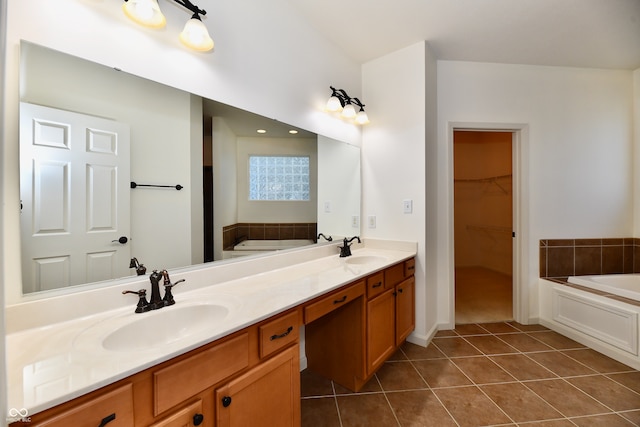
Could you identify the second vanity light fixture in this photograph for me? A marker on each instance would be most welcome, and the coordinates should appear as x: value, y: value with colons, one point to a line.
x: 340, y: 101
x: 148, y: 14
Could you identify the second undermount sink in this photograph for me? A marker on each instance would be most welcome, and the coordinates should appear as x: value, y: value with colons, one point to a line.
x: 164, y: 326
x: 364, y: 259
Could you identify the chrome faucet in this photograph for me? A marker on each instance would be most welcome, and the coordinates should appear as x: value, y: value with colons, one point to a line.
x: 345, y: 249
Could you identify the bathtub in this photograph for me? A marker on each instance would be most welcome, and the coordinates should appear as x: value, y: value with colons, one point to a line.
x: 256, y: 247
x: 270, y: 245
x: 624, y: 285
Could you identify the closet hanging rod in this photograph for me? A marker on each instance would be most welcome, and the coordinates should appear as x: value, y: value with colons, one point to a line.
x: 177, y: 187
x: 489, y: 179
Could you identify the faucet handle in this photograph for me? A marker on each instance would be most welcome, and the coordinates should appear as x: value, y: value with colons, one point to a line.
x: 168, y: 296
x: 143, y: 304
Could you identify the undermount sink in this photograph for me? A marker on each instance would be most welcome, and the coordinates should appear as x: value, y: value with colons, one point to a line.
x: 164, y: 326
x: 364, y: 259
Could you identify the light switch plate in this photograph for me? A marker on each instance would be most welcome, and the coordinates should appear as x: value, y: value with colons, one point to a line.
x: 327, y: 207
x: 372, y: 221
x: 355, y: 221
x: 407, y: 206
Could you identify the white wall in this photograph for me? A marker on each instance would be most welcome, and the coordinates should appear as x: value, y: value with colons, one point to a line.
x: 225, y: 190
x: 636, y: 152
x: 3, y: 365
x: 393, y: 160
x: 580, y: 152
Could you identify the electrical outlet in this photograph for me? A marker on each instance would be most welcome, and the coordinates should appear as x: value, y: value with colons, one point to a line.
x: 407, y: 206
x: 372, y: 221
x: 355, y: 221
x: 327, y: 207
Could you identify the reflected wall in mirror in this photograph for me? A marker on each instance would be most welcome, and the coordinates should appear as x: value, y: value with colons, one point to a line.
x: 176, y: 138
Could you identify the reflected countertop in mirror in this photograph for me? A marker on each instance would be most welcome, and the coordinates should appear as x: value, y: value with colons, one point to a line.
x: 168, y: 132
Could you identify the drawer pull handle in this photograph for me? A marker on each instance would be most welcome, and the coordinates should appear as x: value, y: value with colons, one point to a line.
x: 106, y: 420
x: 198, y: 419
x: 377, y: 285
x: 226, y: 401
x: 411, y: 268
x: 282, y: 335
x: 338, y: 301
x: 400, y: 290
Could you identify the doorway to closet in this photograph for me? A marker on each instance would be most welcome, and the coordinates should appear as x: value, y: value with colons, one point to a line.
x: 483, y: 225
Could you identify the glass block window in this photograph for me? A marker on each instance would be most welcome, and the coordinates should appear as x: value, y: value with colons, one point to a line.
x: 278, y: 178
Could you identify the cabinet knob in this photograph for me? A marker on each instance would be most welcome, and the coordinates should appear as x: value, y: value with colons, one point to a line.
x: 198, y: 419
x: 226, y: 401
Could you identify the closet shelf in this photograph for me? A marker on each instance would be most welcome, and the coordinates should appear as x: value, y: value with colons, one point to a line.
x: 488, y: 180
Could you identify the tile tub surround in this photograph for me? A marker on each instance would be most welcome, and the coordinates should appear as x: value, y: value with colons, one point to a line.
x: 50, y: 341
x: 503, y: 373
x: 577, y: 257
x: 232, y: 234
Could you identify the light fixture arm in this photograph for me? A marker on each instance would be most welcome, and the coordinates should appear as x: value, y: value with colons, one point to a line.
x: 192, y: 7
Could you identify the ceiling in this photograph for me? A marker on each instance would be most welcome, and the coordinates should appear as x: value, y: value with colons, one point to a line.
x: 573, y: 33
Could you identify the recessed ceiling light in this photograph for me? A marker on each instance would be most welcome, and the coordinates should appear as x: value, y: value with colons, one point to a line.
x: 261, y: 131
x: 293, y: 131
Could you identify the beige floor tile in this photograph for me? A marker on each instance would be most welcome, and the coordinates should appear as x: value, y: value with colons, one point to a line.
x: 522, y: 368
x: 320, y: 412
x: 597, y: 361
x: 470, y: 407
x: 441, y: 373
x: 471, y: 329
x: 555, y: 340
x: 520, y: 403
x: 628, y: 379
x: 523, y: 342
x: 607, y: 420
x: 499, y: 328
x: 560, y: 364
x: 608, y: 392
x: 366, y: 410
x: 482, y: 370
x: 490, y: 344
x: 419, y: 408
x: 400, y: 376
x: 455, y: 347
x: 569, y: 400
x: 416, y: 352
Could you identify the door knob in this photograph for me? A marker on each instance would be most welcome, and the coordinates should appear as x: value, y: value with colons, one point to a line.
x: 122, y: 240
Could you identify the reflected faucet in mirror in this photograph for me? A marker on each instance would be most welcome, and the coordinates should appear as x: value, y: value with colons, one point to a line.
x: 328, y: 239
x: 141, y: 270
x: 345, y: 249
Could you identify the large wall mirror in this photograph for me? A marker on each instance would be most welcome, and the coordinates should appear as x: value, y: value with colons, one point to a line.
x: 88, y: 132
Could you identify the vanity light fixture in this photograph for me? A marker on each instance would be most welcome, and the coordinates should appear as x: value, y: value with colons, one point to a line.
x: 148, y: 13
x: 341, y: 101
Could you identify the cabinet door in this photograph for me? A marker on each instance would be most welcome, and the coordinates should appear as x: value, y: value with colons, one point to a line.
x: 114, y: 409
x: 380, y: 329
x: 266, y: 396
x: 405, y: 309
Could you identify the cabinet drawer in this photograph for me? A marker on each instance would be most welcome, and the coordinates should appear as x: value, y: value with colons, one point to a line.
x: 184, y: 417
x: 278, y: 333
x: 336, y: 300
x: 393, y: 275
x: 409, y: 267
x: 375, y: 284
x: 116, y: 404
x: 183, y: 379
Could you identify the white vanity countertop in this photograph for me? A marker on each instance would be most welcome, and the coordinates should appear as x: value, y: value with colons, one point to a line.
x: 51, y: 364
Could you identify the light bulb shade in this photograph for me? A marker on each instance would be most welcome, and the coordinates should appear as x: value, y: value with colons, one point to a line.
x: 349, y: 111
x: 196, y: 36
x: 144, y: 12
x: 333, y: 104
x: 362, y: 118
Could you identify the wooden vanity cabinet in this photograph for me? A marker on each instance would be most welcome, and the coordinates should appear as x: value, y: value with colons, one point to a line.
x: 348, y: 345
x: 257, y: 366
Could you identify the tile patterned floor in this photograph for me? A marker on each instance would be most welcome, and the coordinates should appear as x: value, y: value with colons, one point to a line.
x: 492, y: 374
